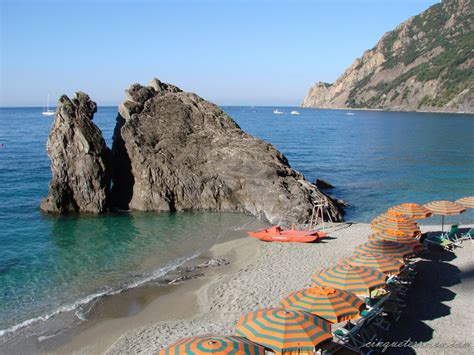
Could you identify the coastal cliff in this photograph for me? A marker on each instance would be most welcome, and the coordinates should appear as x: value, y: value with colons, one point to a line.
x: 424, y: 64
x: 80, y: 160
x: 174, y: 151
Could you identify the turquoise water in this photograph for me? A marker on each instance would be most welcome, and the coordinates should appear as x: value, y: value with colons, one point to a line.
x: 375, y: 160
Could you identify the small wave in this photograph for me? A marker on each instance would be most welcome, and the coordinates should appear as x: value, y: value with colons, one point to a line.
x: 95, y: 296
x: 81, y: 312
x: 46, y: 337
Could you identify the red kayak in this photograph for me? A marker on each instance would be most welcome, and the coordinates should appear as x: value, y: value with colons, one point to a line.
x: 277, y: 234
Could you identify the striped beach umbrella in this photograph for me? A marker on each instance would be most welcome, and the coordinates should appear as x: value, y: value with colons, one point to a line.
x: 284, y: 330
x: 387, y: 216
x: 412, y: 210
x: 379, y: 262
x: 385, y: 247
x: 356, y: 279
x: 400, y: 224
x: 467, y: 201
x: 329, y: 303
x: 445, y: 208
x: 209, y: 344
x: 394, y: 236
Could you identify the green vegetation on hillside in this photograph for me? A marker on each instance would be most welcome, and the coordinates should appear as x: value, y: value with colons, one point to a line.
x: 359, y: 85
x: 444, y: 45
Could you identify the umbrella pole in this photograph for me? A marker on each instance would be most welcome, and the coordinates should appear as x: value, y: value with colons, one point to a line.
x: 442, y: 224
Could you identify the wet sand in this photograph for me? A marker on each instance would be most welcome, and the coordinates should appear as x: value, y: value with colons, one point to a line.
x: 115, y: 315
x: 260, y: 274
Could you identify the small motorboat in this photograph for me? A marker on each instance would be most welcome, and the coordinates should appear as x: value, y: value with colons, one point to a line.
x: 294, y: 112
x: 276, y: 112
x: 350, y: 113
x: 277, y: 234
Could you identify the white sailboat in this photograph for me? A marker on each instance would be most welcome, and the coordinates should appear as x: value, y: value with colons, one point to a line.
x: 48, y: 112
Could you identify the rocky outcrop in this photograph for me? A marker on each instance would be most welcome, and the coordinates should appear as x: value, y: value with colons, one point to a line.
x: 322, y: 184
x: 80, y: 160
x: 424, y: 64
x: 174, y: 151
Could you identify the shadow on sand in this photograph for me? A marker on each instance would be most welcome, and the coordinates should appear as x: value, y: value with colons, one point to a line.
x: 425, y: 301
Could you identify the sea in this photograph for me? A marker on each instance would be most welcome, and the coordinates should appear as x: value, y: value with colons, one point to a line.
x: 52, y: 265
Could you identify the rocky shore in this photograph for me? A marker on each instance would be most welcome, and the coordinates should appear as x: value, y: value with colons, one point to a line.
x: 172, y: 151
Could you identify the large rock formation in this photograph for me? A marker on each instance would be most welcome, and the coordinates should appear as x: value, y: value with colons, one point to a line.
x: 174, y: 151
x: 79, y: 160
x: 426, y: 64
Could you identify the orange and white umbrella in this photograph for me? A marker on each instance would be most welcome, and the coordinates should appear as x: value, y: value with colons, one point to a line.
x: 380, y: 262
x: 405, y: 225
x: 385, y: 247
x: 356, y: 279
x: 284, y: 330
x: 445, y: 208
x: 467, y: 201
x: 329, y: 303
x: 399, y: 238
x: 210, y: 344
x: 412, y: 210
x: 388, y: 216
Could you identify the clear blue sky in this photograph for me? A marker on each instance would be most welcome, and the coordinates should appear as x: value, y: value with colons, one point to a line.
x: 230, y: 52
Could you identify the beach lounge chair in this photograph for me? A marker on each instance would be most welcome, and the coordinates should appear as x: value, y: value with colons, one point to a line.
x: 439, y: 241
x: 466, y: 236
x: 338, y: 347
x: 451, y: 235
x: 389, y: 305
x: 405, y: 277
x: 379, y: 308
x: 394, y: 286
x: 401, y: 282
x: 393, y: 310
x: 376, y: 314
x: 355, y: 336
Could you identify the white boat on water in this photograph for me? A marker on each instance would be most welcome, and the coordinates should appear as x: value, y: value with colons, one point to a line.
x: 294, y: 112
x: 350, y: 113
x: 276, y: 112
x: 48, y: 112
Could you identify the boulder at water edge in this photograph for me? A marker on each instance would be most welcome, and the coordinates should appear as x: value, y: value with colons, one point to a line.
x: 174, y: 151
x: 80, y: 159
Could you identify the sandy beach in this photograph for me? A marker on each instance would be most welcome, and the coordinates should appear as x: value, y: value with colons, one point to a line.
x: 439, y: 311
x: 142, y: 142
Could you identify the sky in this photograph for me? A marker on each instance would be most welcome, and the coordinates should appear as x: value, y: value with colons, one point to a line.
x: 229, y: 52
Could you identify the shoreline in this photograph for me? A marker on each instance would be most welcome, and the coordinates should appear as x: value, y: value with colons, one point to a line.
x: 384, y: 110
x: 259, y: 274
x: 45, y: 335
x: 286, y: 106
x: 163, y: 304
